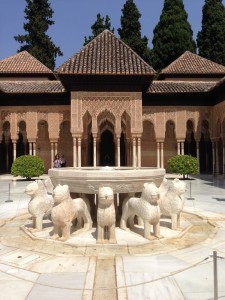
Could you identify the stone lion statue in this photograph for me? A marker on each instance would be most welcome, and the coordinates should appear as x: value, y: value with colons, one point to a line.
x: 171, y: 200
x: 40, y: 205
x: 66, y: 210
x: 146, y: 208
x: 106, y: 216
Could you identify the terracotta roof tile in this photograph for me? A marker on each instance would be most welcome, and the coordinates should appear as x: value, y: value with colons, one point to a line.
x: 31, y: 87
x: 189, y: 63
x: 23, y: 62
x: 180, y: 86
x: 107, y: 55
x: 219, y: 84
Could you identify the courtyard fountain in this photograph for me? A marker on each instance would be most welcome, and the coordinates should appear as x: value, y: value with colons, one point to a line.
x: 122, y: 180
x: 103, y: 208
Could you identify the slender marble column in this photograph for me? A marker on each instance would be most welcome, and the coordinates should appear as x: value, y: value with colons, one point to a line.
x: 139, y: 152
x: 198, y: 157
x: 97, y: 152
x: 178, y: 148
x: 118, y: 151
x: 52, y: 155
x: 158, y: 154
x: 34, y: 148
x: 182, y: 148
x: 134, y: 152
x: 30, y: 148
x: 162, y: 155
x: 94, y: 151
x: 14, y: 151
x: 79, y: 152
x: 56, y: 148
x: 74, y: 152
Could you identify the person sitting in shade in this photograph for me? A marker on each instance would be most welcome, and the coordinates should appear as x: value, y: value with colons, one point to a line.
x: 57, y: 161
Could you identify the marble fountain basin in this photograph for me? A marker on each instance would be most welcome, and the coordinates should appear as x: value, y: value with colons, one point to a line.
x: 122, y: 179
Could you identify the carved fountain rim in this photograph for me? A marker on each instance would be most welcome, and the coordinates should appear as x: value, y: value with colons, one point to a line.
x: 121, y: 179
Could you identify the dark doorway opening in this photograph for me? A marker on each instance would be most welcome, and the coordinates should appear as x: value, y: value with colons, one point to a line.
x: 107, y: 149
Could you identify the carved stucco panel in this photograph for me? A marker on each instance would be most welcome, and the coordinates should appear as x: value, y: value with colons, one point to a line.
x: 136, y: 114
x: 53, y: 125
x: 180, y: 125
x: 114, y: 104
x: 106, y: 116
x: 76, y: 114
x: 149, y: 115
x: 5, y: 116
x: 42, y: 116
x: 170, y: 115
x: 32, y: 121
x: 106, y: 108
x: 13, y: 127
x: 21, y: 116
x: 64, y: 116
x: 219, y: 119
x: 160, y: 125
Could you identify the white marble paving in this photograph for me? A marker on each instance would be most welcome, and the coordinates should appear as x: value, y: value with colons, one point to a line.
x: 33, y: 276
x: 12, y: 289
x: 153, y: 264
x: 197, y: 283
x: 89, y: 281
x: 61, y: 264
x: 48, y: 293
x: 166, y: 288
x: 22, y: 257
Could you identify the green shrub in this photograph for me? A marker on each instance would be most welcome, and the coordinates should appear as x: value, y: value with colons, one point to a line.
x: 183, y: 164
x: 28, y: 166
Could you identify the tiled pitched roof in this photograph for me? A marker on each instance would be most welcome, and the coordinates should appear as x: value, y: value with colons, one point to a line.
x: 189, y: 63
x: 166, y: 87
x: 31, y: 87
x: 23, y: 62
x: 220, y: 83
x: 106, y: 55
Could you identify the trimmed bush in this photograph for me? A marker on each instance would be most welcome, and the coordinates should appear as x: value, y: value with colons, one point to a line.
x: 183, y: 164
x: 28, y: 166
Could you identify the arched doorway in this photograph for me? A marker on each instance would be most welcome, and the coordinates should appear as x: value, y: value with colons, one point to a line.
x: 190, y: 143
x: 65, y: 144
x: 205, y: 149
x: 149, y: 146
x: 170, y: 142
x: 107, y: 149
x: 43, y: 144
x: 22, y: 146
x: 6, y: 149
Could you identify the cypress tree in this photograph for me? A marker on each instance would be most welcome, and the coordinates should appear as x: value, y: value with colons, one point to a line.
x: 130, y: 31
x: 38, y: 14
x: 172, y: 35
x: 211, y: 39
x: 100, y: 25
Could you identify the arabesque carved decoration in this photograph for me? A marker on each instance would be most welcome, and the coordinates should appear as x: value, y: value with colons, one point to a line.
x: 106, y: 115
x: 21, y: 116
x: 115, y: 104
x: 6, y: 116
x: 64, y: 116
x: 42, y: 116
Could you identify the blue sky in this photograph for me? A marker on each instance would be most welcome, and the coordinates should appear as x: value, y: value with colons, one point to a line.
x: 73, y: 20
